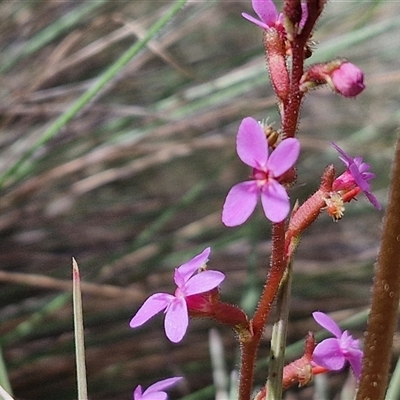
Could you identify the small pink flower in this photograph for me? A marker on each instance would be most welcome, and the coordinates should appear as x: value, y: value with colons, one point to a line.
x: 155, y: 391
x: 176, y: 306
x: 252, y: 149
x: 357, y: 175
x: 333, y: 353
x: 348, y: 80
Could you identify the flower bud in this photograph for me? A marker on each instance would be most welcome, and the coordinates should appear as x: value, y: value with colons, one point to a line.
x: 343, y: 77
x: 348, y: 80
x: 276, y: 60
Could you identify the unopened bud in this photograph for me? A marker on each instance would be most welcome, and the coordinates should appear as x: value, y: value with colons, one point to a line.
x: 348, y: 80
x: 343, y: 77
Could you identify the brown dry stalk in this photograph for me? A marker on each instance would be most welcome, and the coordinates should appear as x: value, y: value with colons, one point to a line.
x: 385, y: 299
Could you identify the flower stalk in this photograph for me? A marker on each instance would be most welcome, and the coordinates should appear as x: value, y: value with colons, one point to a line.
x: 249, y: 349
x: 272, y: 155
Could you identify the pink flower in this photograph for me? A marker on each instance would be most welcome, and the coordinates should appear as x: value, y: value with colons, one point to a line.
x: 252, y: 149
x: 357, y: 175
x: 332, y: 353
x: 348, y: 80
x: 155, y: 391
x: 175, y: 306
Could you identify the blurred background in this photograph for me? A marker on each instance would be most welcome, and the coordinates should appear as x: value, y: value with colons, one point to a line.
x: 132, y: 186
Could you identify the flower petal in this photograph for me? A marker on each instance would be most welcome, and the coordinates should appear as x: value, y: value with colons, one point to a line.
x: 304, y: 16
x: 152, y: 306
x: 266, y: 10
x: 328, y: 354
x: 328, y: 323
x: 361, y: 182
x: 187, y: 269
x: 164, y: 384
x: 240, y: 203
x: 347, y: 160
x: 373, y: 200
x: 251, y: 144
x: 367, y: 175
x: 137, y: 393
x: 275, y: 201
x: 179, y: 279
x: 154, y: 396
x: 255, y: 21
x: 355, y: 358
x: 203, y: 282
x: 283, y: 157
x: 176, y: 320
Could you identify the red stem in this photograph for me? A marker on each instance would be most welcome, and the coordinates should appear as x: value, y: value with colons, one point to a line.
x: 247, y: 359
x: 291, y: 107
x: 278, y: 267
x: 249, y: 348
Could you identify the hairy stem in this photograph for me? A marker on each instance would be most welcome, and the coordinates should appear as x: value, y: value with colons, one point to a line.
x: 291, y: 107
x: 247, y: 359
x: 249, y: 348
x: 385, y: 299
x: 278, y: 267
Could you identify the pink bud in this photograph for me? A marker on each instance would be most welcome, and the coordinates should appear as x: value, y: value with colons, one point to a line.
x: 348, y: 80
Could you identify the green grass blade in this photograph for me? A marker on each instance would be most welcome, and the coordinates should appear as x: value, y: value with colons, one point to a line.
x: 79, y: 333
x: 393, y: 391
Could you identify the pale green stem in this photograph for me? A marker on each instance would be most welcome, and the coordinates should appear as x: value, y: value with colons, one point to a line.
x: 79, y: 333
x: 4, y: 380
x: 4, y: 395
x: 278, y: 340
x: 393, y: 391
x: 220, y: 374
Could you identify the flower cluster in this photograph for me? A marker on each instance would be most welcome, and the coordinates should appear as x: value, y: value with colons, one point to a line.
x: 272, y: 156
